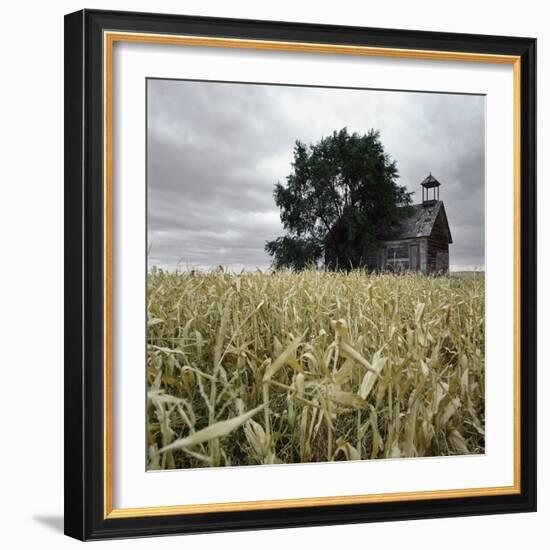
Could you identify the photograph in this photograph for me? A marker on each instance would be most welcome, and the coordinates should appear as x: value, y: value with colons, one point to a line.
x: 299, y: 273
x: 315, y: 274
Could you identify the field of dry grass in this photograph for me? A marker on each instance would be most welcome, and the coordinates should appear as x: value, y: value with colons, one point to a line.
x: 264, y: 368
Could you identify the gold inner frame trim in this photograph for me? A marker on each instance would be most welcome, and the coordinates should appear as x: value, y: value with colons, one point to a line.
x: 109, y: 39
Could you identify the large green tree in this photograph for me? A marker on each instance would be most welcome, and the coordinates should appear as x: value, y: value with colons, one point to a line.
x: 339, y: 201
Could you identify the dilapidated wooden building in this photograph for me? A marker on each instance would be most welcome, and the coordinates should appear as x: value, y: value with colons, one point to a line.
x: 421, y: 243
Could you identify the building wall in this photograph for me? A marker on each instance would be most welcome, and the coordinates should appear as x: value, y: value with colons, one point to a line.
x: 439, y: 229
x: 437, y: 256
x: 396, y: 255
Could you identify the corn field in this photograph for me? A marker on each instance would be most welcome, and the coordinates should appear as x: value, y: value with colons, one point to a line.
x: 288, y: 367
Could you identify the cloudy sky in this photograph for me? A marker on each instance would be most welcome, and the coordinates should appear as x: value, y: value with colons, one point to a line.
x: 215, y: 151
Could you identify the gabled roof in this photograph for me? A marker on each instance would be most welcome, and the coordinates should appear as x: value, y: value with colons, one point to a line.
x: 422, y: 221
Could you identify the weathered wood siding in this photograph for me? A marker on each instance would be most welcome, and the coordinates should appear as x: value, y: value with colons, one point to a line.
x: 398, y: 255
x: 439, y: 229
x: 438, y: 256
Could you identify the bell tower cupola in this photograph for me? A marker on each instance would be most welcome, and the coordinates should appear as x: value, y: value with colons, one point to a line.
x: 430, y: 183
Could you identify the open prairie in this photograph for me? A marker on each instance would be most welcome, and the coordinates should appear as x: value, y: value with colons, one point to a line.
x: 289, y: 367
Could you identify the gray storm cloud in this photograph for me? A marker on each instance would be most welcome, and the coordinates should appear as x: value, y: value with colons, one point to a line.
x: 215, y: 151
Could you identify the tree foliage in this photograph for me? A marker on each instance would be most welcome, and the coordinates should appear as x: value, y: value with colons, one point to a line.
x: 340, y: 199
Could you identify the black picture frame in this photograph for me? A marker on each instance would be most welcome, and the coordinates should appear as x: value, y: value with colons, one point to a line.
x: 85, y: 517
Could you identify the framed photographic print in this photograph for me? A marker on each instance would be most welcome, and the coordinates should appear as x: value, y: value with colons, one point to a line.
x: 300, y: 274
